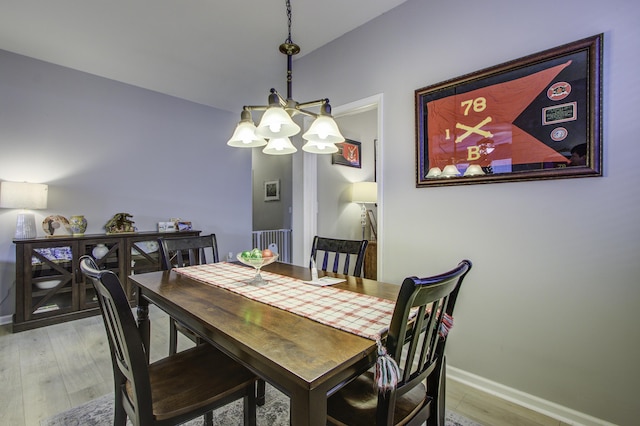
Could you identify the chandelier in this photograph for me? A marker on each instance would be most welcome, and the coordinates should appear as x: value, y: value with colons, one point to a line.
x: 277, y: 124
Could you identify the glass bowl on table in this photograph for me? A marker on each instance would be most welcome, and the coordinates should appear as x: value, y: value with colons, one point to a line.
x: 257, y: 263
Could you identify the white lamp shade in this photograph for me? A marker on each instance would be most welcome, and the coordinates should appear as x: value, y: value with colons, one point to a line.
x: 276, y: 123
x: 320, y: 147
x: 245, y: 136
x: 364, y: 192
x: 450, y: 171
x: 324, y: 129
x: 23, y: 195
x: 434, y: 172
x: 279, y: 146
x: 474, y: 170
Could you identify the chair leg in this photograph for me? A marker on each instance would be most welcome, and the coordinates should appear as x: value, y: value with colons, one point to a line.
x: 173, y: 337
x: 260, y: 399
x: 249, y: 402
x: 208, y: 418
x: 436, y: 384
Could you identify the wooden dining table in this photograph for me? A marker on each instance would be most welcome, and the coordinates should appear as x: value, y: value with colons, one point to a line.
x: 301, y: 357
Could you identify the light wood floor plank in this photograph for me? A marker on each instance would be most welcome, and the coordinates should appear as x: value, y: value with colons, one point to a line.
x: 76, y: 365
x: 12, y: 412
x: 43, y: 391
x: 94, y: 339
x: 491, y: 410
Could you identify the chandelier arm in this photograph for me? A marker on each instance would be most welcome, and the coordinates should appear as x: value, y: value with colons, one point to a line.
x: 255, y: 107
x: 312, y: 104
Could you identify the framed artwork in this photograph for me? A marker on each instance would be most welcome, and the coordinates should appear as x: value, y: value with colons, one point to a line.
x: 537, y: 117
x: 349, y: 154
x: 272, y: 190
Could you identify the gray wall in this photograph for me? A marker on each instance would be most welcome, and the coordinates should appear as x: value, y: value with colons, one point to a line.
x: 105, y: 147
x: 274, y: 214
x: 550, y: 308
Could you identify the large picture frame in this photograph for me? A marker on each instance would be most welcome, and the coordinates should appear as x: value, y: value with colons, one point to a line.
x: 537, y: 117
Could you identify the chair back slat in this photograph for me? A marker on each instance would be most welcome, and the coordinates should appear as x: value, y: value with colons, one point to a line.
x: 341, y: 252
x: 186, y: 251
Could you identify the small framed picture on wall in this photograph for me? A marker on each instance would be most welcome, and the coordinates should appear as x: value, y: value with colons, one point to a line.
x: 349, y: 154
x: 272, y: 190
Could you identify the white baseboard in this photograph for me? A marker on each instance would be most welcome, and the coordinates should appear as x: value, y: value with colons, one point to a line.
x: 548, y: 408
x: 7, y: 319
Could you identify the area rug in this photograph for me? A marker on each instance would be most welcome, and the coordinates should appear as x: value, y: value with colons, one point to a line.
x: 275, y: 412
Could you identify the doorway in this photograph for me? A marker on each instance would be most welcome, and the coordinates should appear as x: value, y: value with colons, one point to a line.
x: 324, y: 201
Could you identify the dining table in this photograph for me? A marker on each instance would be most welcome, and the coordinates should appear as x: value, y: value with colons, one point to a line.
x: 305, y: 359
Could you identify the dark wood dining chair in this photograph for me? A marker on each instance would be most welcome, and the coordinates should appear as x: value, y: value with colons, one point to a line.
x: 417, y: 345
x: 172, y: 390
x: 191, y: 250
x: 342, y: 252
x: 186, y: 251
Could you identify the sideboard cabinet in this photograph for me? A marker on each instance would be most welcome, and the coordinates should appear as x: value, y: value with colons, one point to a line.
x: 50, y: 287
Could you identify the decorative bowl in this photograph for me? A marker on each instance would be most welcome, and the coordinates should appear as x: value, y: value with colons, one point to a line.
x: 46, y: 285
x: 257, y: 263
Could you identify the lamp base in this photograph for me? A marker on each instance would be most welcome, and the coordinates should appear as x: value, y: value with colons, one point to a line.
x: 25, y: 226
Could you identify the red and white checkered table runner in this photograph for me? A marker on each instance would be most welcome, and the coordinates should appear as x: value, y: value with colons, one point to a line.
x: 356, y: 313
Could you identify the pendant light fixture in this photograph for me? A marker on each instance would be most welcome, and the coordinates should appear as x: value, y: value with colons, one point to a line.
x: 277, y: 124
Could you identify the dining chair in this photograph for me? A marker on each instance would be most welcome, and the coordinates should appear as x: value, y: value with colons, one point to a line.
x: 185, y: 251
x: 416, y: 341
x: 171, y: 390
x: 342, y: 252
x: 190, y: 250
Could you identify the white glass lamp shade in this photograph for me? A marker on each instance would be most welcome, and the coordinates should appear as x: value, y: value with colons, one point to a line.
x: 279, y: 146
x: 450, y: 171
x: 245, y: 136
x: 434, y: 172
x: 325, y: 130
x: 364, y: 192
x: 276, y: 123
x: 23, y: 195
x: 320, y: 147
x: 474, y: 170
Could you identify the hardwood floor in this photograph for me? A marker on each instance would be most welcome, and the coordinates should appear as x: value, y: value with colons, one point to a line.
x: 51, y: 369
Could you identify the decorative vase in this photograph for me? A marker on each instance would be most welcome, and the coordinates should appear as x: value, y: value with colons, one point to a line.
x: 100, y: 251
x: 78, y: 224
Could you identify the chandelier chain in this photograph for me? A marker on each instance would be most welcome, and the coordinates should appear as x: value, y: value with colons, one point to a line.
x: 288, y: 40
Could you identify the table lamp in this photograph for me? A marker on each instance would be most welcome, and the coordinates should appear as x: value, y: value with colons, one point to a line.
x: 364, y: 193
x: 26, y: 196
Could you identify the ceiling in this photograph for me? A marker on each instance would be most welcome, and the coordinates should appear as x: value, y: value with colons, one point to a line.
x: 222, y: 54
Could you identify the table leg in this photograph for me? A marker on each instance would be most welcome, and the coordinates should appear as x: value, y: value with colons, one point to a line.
x: 144, y: 326
x: 309, y: 408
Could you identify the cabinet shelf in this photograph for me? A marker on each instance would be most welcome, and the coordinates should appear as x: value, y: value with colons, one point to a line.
x: 41, y: 261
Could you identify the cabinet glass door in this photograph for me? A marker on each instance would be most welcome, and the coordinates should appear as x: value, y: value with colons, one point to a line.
x: 108, y: 256
x: 145, y: 256
x: 51, y: 282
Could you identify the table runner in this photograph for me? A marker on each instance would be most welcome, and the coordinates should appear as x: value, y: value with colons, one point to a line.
x: 359, y: 314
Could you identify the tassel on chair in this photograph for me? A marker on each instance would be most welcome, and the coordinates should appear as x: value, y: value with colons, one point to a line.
x: 445, y: 325
x: 387, y: 372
